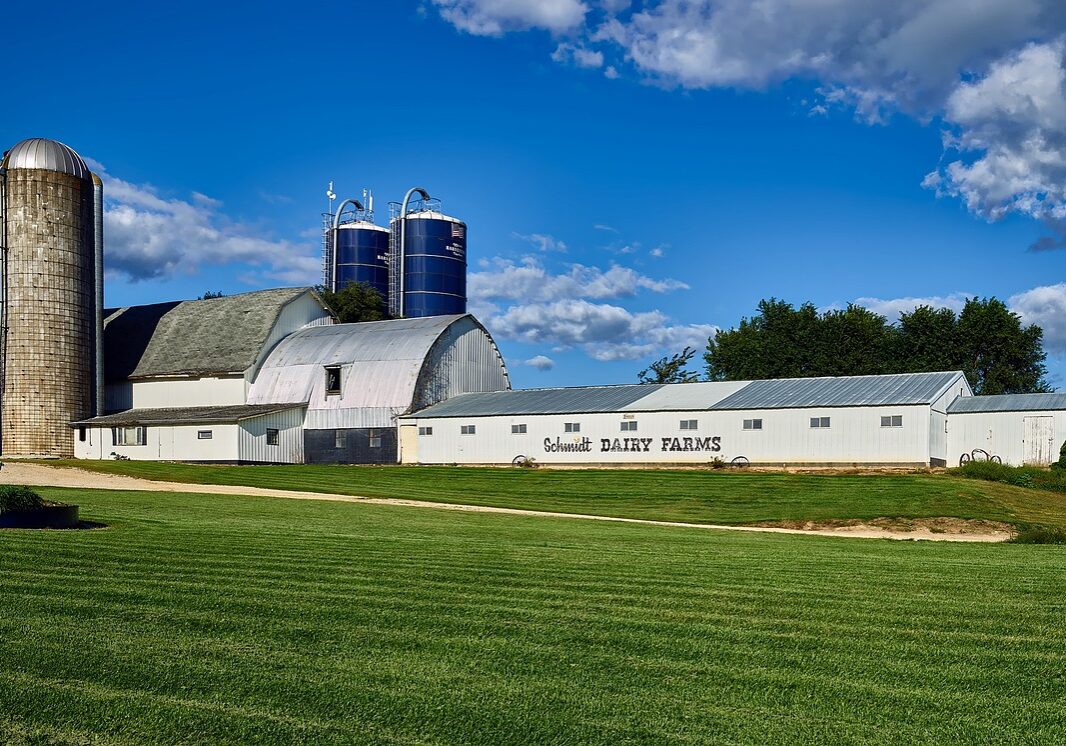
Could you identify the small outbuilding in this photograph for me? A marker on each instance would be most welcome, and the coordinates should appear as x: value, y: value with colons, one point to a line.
x: 1020, y: 429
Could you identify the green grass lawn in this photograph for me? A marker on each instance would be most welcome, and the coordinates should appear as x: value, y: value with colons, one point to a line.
x: 232, y: 619
x: 726, y: 497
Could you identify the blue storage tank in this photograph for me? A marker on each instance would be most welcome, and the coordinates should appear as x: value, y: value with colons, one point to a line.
x: 362, y: 256
x: 434, y: 273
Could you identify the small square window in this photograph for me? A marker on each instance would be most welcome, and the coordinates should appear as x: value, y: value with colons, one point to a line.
x: 333, y: 379
x: 820, y: 422
x: 757, y: 424
x: 375, y: 439
x: 468, y: 430
x: 571, y: 427
x: 340, y: 438
x: 272, y: 436
x: 629, y: 426
x: 895, y: 420
x: 518, y: 429
x: 204, y: 434
x: 689, y: 425
x: 425, y: 431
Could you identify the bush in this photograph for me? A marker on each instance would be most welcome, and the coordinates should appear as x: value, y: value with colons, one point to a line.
x: 1039, y: 535
x: 1019, y: 476
x: 16, y: 498
x: 1061, y: 464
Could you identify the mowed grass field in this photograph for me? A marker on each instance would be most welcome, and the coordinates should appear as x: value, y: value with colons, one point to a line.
x: 723, y: 497
x: 218, y: 619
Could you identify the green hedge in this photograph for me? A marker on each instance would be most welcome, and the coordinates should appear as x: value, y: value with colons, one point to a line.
x: 1019, y: 476
x: 15, y: 498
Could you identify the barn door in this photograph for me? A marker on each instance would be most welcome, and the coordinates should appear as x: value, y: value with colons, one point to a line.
x: 1039, y: 432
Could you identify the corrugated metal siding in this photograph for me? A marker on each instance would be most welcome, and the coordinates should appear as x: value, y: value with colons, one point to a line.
x: 1000, y: 433
x: 252, y: 445
x: 541, y: 401
x: 463, y: 360
x: 1010, y: 403
x: 686, y: 396
x: 302, y: 312
x: 854, y: 391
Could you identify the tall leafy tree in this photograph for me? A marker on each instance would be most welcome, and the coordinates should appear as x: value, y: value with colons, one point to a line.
x: 853, y: 342
x: 670, y: 369
x: 928, y: 340
x: 998, y: 354
x: 356, y: 301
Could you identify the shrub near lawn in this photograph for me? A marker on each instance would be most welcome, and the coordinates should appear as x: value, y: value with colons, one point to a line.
x: 17, y: 498
x: 1019, y: 476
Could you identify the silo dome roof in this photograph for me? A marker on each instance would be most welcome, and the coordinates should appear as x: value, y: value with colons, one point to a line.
x: 48, y: 155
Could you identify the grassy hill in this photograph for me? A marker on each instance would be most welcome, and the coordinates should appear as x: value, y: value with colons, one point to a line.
x: 723, y: 497
x: 235, y: 619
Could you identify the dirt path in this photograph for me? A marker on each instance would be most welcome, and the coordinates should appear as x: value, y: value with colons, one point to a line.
x: 45, y: 476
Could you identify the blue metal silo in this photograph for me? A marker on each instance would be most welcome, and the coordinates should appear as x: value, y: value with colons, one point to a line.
x: 357, y: 250
x: 428, y: 261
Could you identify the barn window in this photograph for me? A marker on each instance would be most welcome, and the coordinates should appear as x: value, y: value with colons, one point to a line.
x: 689, y: 425
x: 629, y: 427
x: 518, y: 429
x: 468, y: 429
x: 820, y: 422
x: 130, y: 436
x: 425, y: 431
x: 272, y: 436
x: 340, y: 438
x: 757, y: 424
x: 572, y: 427
x: 81, y: 433
x: 333, y: 379
x: 895, y: 420
x: 204, y: 435
x: 375, y: 439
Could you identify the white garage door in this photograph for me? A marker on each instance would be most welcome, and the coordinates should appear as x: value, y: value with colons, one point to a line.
x: 1039, y: 432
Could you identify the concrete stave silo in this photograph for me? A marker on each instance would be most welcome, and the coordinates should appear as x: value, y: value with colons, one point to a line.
x: 51, y: 278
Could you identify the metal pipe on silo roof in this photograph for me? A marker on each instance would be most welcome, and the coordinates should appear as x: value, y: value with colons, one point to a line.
x: 98, y: 220
x: 403, y: 243
x: 336, y: 223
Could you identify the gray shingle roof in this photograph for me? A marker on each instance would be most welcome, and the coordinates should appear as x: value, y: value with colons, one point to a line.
x: 580, y: 400
x: 188, y: 415
x: 1009, y: 403
x: 852, y: 391
x: 201, y: 337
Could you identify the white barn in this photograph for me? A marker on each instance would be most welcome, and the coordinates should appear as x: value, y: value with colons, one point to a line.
x: 861, y: 420
x: 1018, y: 428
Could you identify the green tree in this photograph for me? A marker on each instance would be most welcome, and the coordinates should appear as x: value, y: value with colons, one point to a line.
x: 852, y: 342
x: 998, y: 354
x: 355, y: 302
x: 928, y: 340
x: 670, y: 369
x: 210, y: 295
x: 779, y: 341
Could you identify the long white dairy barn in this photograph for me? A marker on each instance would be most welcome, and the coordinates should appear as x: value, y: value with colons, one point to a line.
x: 889, y: 420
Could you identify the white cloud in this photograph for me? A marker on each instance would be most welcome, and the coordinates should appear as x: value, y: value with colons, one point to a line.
x: 608, y: 228
x: 1014, y: 119
x: 1045, y: 307
x: 603, y: 331
x: 542, y: 241
x: 530, y: 281
x: 540, y: 362
x: 147, y: 236
x: 494, y: 17
x: 993, y: 69
x: 657, y: 251
x: 892, y: 308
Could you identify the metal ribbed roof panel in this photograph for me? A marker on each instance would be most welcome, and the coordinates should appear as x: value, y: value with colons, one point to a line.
x: 1009, y: 403
x: 852, y: 391
x: 189, y: 415
x: 577, y: 400
x: 681, y: 397
x: 48, y: 155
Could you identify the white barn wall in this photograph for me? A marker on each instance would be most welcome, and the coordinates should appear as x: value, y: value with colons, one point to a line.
x: 176, y: 392
x: 163, y: 443
x: 999, y: 433
x: 290, y: 448
x: 854, y: 436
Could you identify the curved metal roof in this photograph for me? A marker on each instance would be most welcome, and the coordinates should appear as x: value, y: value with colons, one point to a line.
x: 48, y: 155
x: 383, y: 365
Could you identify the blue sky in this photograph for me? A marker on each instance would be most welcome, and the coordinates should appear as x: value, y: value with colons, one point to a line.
x: 633, y: 175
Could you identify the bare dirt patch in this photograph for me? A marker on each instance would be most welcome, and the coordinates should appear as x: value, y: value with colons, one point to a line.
x: 946, y: 529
